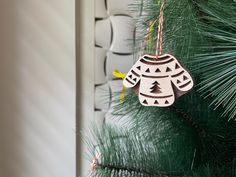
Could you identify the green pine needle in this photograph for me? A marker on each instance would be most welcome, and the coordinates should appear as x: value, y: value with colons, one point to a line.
x: 216, y: 64
x: 188, y: 139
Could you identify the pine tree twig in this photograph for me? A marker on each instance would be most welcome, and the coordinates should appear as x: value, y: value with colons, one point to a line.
x: 187, y: 118
x: 139, y: 170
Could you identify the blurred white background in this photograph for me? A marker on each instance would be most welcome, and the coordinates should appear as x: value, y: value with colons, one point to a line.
x: 37, y: 88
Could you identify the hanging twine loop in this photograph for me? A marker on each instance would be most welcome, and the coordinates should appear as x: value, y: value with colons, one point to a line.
x: 159, y: 44
x: 149, y: 35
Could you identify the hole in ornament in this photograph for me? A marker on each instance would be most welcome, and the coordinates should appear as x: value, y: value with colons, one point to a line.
x: 158, y: 70
x: 129, y: 81
x: 139, y: 67
x: 177, y: 66
x: 178, y: 82
x: 176, y: 75
x: 164, y: 57
x: 156, y: 102
x: 153, y: 57
x: 155, y: 76
x: 168, y: 69
x: 155, y: 88
x: 145, y: 102
x: 185, y: 85
x: 130, y: 76
x: 159, y: 97
x: 168, y: 61
x: 185, y: 78
x: 156, y: 62
x: 136, y: 74
x: 167, y: 102
x: 156, y: 83
x: 148, y: 58
x: 148, y: 70
x: 135, y: 79
x: 177, y: 92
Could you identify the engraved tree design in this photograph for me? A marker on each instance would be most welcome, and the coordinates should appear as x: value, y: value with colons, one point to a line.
x: 155, y: 88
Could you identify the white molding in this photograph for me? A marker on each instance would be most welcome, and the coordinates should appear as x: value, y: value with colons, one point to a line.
x: 85, y: 14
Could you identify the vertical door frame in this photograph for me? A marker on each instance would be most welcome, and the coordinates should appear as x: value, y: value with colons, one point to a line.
x: 85, y: 25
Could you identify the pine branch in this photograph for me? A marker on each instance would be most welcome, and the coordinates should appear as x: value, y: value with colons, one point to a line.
x: 190, y: 121
x: 216, y: 61
x: 140, y: 171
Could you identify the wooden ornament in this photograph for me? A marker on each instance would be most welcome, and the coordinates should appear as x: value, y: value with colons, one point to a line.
x: 160, y: 81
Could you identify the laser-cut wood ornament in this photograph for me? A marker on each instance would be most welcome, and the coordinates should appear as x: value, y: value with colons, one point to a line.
x: 158, y: 79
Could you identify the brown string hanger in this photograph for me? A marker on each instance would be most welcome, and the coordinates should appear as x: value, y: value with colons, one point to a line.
x: 159, y: 44
x: 149, y: 36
